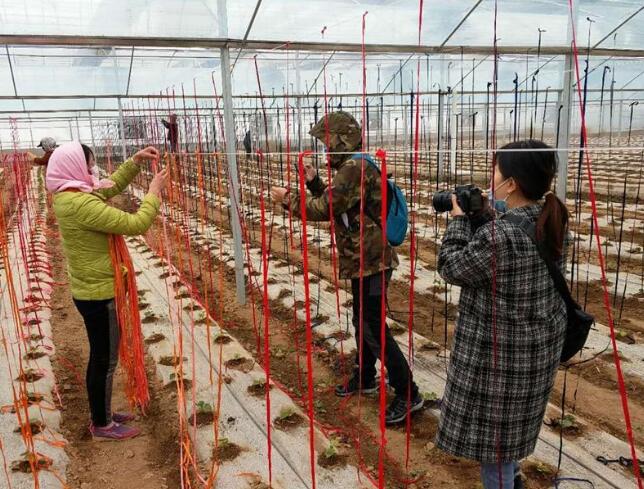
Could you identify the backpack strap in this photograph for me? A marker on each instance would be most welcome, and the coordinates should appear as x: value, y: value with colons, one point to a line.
x: 528, y: 227
x: 367, y: 157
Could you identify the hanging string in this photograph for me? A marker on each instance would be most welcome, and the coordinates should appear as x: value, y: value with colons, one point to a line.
x: 327, y: 142
x: 607, y: 305
x: 361, y: 251
x: 29, y: 220
x: 127, y: 311
x: 495, y: 422
x: 412, y: 247
x: 307, y: 311
x: 287, y: 110
x: 266, y: 317
x: 381, y: 154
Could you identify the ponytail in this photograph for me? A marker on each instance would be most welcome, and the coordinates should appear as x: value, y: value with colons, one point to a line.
x: 552, y: 224
x: 534, y: 172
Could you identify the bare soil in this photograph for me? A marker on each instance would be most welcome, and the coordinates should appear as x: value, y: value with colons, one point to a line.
x: 433, y: 318
x: 289, y: 422
x: 226, y: 452
x: 152, y: 459
x: 289, y: 370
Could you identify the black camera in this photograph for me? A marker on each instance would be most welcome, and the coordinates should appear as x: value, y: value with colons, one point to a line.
x: 469, y: 198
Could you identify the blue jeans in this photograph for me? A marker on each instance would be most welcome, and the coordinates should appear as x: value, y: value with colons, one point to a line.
x: 490, y: 475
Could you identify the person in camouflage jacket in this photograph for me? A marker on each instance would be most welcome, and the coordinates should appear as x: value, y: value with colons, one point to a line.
x: 345, y: 137
x: 343, y: 196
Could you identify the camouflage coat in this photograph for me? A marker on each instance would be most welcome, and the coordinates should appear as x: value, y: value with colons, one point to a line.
x: 345, y: 192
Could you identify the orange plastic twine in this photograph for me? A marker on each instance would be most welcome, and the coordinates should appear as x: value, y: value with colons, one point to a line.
x: 131, y: 351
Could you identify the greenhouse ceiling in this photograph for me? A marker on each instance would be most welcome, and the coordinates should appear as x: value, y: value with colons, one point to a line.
x: 82, y: 55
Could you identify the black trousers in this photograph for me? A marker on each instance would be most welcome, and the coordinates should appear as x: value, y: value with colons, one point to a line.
x: 400, y: 376
x: 103, y: 334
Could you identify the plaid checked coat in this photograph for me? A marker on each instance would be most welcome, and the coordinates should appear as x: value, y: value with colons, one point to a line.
x: 481, y: 404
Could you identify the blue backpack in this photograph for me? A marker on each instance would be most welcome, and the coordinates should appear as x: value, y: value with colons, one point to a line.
x: 397, y: 212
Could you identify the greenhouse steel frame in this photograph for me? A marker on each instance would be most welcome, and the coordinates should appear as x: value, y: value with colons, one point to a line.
x: 225, y: 44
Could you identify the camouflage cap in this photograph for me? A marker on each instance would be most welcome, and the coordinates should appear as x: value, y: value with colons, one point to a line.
x: 341, y: 123
x: 47, y: 143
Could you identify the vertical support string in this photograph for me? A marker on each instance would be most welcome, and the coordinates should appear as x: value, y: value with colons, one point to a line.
x: 600, y: 255
x: 307, y: 311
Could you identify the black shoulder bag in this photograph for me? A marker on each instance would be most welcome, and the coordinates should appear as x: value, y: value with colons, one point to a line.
x: 579, y: 321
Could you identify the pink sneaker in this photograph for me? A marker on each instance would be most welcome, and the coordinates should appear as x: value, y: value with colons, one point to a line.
x: 123, y: 417
x: 113, y: 431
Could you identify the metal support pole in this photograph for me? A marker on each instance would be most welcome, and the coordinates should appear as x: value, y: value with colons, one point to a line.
x: 462, y: 21
x: 122, y: 130
x: 440, y: 138
x: 91, y: 131
x: 442, y: 99
x: 405, y: 117
x: 620, y: 137
x: 298, y: 100
x: 452, y: 136
x: 231, y: 155
x: 566, y: 101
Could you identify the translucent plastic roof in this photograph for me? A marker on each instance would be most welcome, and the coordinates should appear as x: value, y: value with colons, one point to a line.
x: 388, y: 21
x: 82, y: 73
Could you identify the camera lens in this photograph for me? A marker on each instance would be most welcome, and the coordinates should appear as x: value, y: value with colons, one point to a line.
x: 442, y: 201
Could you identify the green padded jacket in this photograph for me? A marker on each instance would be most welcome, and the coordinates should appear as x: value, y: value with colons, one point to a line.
x: 86, y: 220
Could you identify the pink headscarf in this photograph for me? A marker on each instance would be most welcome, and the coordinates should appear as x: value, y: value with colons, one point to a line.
x: 67, y: 169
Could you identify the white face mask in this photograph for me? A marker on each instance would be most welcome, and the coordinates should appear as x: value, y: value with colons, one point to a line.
x: 94, y: 171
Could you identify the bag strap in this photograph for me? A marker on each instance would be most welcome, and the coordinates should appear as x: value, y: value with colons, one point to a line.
x: 367, y: 157
x: 530, y: 230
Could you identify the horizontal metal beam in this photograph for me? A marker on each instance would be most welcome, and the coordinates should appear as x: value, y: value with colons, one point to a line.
x: 279, y: 96
x: 239, y: 110
x: 217, y: 43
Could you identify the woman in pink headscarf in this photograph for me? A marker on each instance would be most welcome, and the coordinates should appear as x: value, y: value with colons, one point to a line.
x: 86, y: 221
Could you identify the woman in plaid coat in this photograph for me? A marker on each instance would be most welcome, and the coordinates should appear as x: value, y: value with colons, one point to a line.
x: 511, y: 322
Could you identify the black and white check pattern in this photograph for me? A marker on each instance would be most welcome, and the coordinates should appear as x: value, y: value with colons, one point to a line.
x: 483, y: 405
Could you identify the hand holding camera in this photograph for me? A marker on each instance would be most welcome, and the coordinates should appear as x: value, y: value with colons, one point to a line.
x: 467, y: 200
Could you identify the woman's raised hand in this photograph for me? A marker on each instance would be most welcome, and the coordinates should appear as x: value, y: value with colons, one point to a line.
x: 146, y: 154
x: 159, y: 182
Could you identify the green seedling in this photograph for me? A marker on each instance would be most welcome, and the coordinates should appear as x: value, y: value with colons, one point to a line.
x: 333, y: 449
x: 30, y: 375
x: 568, y: 421
x: 430, y: 396
x: 204, y: 407
x: 34, y: 353
x: 279, y: 353
x: 222, y: 339
x: 286, y: 413
x: 543, y: 469
x: 319, y: 406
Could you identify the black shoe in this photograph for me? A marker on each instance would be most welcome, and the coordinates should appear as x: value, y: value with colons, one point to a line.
x: 398, y: 409
x: 353, y: 387
x: 518, y: 482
